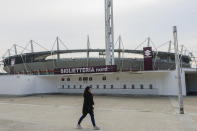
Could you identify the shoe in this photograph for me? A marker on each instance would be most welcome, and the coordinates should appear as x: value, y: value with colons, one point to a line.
x: 79, y: 126
x: 96, y: 128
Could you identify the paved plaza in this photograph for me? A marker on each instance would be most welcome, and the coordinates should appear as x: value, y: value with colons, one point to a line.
x: 112, y: 113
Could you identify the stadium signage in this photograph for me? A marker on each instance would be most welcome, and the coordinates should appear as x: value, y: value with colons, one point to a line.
x: 93, y: 69
x: 148, y: 56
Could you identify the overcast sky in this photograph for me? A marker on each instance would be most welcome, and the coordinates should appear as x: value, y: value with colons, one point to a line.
x: 72, y: 20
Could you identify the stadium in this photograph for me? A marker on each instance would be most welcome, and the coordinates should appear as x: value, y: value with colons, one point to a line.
x: 46, y: 62
x: 145, y: 70
x: 127, y: 76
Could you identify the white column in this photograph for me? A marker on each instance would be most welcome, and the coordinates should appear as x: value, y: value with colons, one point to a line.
x: 15, y: 49
x: 148, y: 45
x: 170, y: 44
x: 88, y: 48
x: 9, y: 54
x: 32, y: 46
x: 58, y: 48
x: 119, y: 53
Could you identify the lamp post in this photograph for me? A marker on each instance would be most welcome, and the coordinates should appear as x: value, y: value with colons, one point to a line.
x: 178, y: 71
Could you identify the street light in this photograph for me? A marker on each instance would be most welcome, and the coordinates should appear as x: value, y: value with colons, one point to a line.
x: 178, y: 71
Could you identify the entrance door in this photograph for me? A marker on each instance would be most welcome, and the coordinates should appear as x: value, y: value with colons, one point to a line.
x: 191, y: 83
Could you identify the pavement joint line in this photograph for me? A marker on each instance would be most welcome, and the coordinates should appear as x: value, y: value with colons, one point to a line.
x: 186, y: 121
x: 192, y: 114
x: 4, y: 101
x: 97, y: 109
x: 101, y: 109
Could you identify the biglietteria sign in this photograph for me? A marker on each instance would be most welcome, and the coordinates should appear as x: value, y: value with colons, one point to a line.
x: 79, y: 70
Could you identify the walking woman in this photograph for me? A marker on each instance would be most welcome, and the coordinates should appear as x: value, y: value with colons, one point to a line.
x: 88, y: 108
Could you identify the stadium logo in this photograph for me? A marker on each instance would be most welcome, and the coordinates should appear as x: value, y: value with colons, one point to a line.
x: 147, y: 53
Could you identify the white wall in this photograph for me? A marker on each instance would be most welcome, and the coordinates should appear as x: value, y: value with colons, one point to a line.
x: 164, y: 83
x: 16, y: 85
x: 168, y: 83
x: 46, y: 84
x: 26, y: 84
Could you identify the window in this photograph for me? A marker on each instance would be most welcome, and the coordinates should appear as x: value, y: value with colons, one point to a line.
x: 80, y: 79
x: 125, y: 86
x: 80, y: 86
x: 74, y: 86
x: 97, y: 86
x: 104, y: 86
x: 112, y: 86
x: 62, y: 79
x: 133, y: 86
x: 104, y: 78
x: 141, y: 86
x: 85, y: 78
x: 68, y: 79
x: 150, y: 86
x: 62, y: 86
x: 68, y: 86
x: 90, y: 78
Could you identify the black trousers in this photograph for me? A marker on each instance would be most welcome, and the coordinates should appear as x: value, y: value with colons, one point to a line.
x: 84, y: 115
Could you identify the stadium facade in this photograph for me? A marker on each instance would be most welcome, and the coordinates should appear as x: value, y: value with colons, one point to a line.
x: 33, y: 73
x: 109, y: 73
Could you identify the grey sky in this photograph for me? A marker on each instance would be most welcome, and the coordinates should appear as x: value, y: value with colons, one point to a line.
x: 72, y: 20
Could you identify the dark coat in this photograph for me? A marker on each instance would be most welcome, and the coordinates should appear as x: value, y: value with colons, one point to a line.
x: 88, y: 103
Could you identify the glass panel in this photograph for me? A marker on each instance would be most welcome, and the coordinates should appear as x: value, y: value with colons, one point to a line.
x: 142, y: 86
x: 90, y: 78
x: 104, y: 78
x: 133, y: 86
x: 151, y: 86
x: 97, y: 86
x: 85, y: 78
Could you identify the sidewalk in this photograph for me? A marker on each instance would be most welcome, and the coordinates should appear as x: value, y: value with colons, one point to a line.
x: 61, y: 113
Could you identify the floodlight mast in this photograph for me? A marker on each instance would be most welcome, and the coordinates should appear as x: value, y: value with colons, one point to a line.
x: 109, y: 32
x: 178, y: 71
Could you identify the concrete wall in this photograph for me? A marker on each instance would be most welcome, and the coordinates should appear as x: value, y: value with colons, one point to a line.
x: 163, y: 83
x: 24, y: 85
x: 168, y: 83
x: 16, y: 85
x: 117, y: 80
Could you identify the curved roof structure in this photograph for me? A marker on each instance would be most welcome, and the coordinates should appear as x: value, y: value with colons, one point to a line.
x: 41, y: 56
